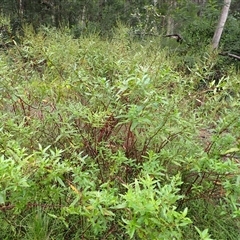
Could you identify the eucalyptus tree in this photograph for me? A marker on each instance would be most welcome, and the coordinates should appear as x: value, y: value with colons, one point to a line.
x: 221, y: 23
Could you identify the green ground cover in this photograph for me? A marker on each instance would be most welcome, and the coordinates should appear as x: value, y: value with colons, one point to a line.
x: 117, y: 139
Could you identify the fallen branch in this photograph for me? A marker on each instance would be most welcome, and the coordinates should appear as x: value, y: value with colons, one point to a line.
x: 230, y: 55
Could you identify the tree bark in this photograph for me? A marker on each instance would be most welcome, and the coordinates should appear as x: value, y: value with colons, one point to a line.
x: 221, y: 23
x: 170, y: 20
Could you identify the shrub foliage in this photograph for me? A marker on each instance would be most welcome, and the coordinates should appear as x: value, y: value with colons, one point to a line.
x: 108, y: 139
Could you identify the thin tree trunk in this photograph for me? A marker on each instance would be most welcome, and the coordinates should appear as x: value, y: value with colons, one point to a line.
x: 170, y: 25
x: 221, y: 23
x: 83, y: 17
x: 20, y: 6
x: 170, y: 20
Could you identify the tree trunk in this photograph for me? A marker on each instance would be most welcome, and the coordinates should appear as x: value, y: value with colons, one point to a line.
x: 221, y: 23
x: 20, y: 7
x: 170, y: 20
x: 170, y: 25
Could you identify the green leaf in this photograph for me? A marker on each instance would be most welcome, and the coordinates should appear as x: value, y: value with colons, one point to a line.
x: 52, y: 215
x: 2, y: 197
x: 60, y: 181
x: 107, y: 212
x: 231, y: 150
x: 120, y: 206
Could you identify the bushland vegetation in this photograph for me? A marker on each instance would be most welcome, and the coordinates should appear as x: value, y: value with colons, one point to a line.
x: 118, y: 136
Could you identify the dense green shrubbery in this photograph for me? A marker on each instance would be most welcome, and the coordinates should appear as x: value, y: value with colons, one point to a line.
x: 106, y: 140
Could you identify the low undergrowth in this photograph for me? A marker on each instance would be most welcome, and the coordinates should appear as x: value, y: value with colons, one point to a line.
x: 107, y: 139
